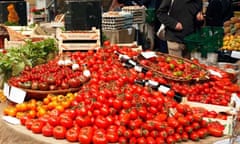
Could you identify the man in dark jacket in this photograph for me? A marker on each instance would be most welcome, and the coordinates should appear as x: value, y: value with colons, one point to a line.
x: 218, y: 11
x: 180, y: 22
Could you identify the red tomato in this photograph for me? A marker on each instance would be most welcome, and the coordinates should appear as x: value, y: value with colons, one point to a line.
x: 185, y: 136
x: 203, y: 132
x: 214, y: 131
x: 178, y: 137
x: 59, y: 132
x: 133, y: 140
x: 72, y: 135
x: 83, y: 121
x: 85, y: 135
x: 37, y: 127
x: 67, y: 122
x: 160, y: 140
x: 47, y: 130
x: 112, y: 136
x: 150, y: 140
x: 23, y: 119
x: 29, y: 123
x: 194, y: 136
x: 121, y: 130
x: 171, y: 140
x: 99, y: 138
x: 101, y: 122
x: 170, y: 130
x: 172, y: 122
x: 141, y: 140
x: 54, y: 120
x: 137, y: 132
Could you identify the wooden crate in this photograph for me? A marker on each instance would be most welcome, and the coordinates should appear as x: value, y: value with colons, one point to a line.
x: 230, y: 109
x: 93, y: 34
x: 77, y: 46
x: 228, y: 124
x: 10, y: 44
x: 79, y: 40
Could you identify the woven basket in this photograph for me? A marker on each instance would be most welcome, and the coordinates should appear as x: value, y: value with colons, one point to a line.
x: 39, y: 95
x: 153, y: 65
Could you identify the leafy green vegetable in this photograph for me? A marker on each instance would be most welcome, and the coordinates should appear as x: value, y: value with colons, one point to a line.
x: 30, y: 54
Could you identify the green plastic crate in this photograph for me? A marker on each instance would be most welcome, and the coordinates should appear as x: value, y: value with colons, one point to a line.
x: 205, y: 40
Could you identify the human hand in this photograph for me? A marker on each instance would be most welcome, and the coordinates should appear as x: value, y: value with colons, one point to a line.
x: 199, y: 16
x: 115, y: 5
x: 178, y: 26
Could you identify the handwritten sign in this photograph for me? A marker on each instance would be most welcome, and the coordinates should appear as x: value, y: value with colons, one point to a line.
x: 17, y: 95
x: 148, y: 54
x: 235, y: 54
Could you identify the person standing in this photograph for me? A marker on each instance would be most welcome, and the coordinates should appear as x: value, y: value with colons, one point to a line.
x: 180, y: 19
x: 218, y: 11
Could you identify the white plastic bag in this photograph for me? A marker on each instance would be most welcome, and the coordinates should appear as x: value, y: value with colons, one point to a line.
x: 161, y: 32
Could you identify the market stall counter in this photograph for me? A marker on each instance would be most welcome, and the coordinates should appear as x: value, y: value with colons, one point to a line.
x: 18, y: 134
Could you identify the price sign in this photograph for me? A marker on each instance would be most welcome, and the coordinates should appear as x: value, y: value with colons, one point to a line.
x: 6, y: 89
x: 11, y: 120
x: 212, y: 72
x: 235, y: 54
x: 17, y: 95
x: 163, y: 89
x: 148, y: 54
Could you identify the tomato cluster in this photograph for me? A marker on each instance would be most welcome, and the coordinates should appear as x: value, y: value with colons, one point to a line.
x: 34, y: 109
x: 175, y: 68
x: 111, y: 108
x: 50, y: 76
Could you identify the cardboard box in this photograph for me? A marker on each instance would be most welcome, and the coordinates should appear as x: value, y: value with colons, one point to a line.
x: 120, y: 36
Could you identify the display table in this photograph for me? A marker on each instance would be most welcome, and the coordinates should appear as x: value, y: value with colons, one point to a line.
x: 17, y: 134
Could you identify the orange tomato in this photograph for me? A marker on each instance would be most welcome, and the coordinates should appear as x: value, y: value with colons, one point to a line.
x: 60, y: 108
x: 65, y: 103
x: 31, y: 106
x: 41, y: 112
x: 60, y: 98
x: 46, y: 101
x: 12, y: 112
x: 20, y: 114
x: 21, y: 107
x: 31, y: 114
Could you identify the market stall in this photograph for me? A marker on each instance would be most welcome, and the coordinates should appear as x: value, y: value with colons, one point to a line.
x: 11, y: 134
x: 73, y: 87
x: 122, y: 80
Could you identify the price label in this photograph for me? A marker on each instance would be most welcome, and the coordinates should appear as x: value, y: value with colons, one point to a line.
x: 11, y: 120
x: 152, y: 83
x: 17, y: 95
x: 212, y: 72
x: 132, y: 62
x: 148, y: 54
x: 163, y: 89
x: 138, y: 68
x: 235, y: 54
x: 6, y: 89
x: 86, y: 73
